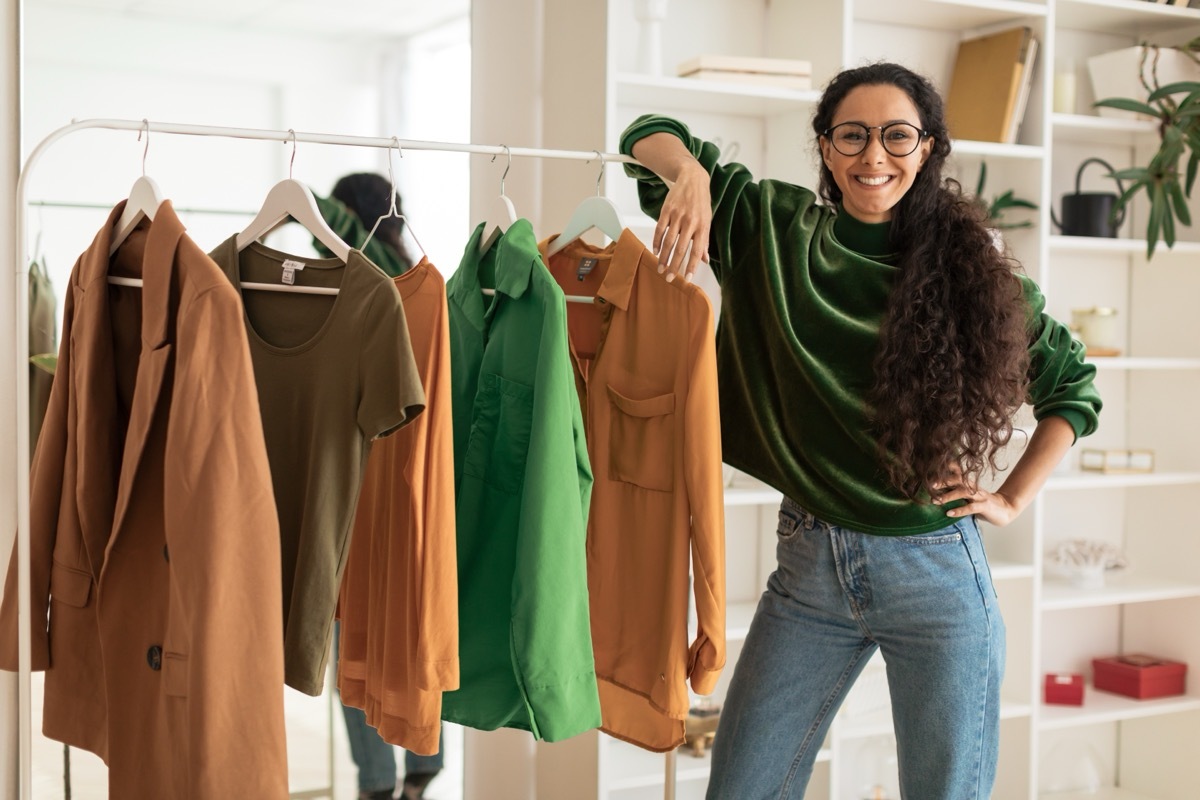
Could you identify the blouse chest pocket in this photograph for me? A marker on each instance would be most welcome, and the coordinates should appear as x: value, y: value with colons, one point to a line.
x: 642, y: 440
x: 499, y: 442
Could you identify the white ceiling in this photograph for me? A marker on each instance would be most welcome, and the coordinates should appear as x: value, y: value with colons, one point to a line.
x: 370, y: 18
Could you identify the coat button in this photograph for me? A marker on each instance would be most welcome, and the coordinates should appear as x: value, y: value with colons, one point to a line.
x: 662, y: 677
x: 154, y: 658
x: 166, y: 554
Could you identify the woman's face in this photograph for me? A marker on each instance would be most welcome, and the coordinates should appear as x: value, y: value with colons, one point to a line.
x: 873, y: 181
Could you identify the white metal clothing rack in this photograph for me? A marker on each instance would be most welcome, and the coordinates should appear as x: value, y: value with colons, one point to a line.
x: 21, y: 316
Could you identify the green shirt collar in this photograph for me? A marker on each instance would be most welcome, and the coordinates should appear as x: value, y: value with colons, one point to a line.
x: 871, y: 239
x: 508, y: 264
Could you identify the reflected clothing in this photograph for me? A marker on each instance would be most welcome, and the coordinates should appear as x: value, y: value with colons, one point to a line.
x: 802, y: 309
x: 350, y: 229
x: 42, y: 321
x: 645, y: 372
x: 334, y: 372
x: 523, y: 483
x: 398, y: 604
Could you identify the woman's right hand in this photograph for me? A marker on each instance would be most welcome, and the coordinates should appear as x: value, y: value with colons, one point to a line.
x: 681, y: 236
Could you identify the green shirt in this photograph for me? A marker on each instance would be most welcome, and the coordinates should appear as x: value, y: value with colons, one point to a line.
x: 522, y: 488
x: 799, y: 329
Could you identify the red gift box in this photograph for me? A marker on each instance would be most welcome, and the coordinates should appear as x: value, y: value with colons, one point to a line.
x: 1139, y: 676
x: 1064, y: 689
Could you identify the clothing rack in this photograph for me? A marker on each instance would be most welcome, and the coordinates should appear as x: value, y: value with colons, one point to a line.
x: 21, y: 316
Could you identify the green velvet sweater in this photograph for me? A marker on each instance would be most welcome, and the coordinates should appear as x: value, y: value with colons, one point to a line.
x: 803, y: 293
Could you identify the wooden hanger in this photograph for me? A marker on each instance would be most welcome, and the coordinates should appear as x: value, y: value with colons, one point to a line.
x: 501, y: 214
x: 144, y: 199
x: 594, y: 212
x: 290, y: 198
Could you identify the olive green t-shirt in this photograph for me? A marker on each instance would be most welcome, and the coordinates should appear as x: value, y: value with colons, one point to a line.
x: 333, y: 373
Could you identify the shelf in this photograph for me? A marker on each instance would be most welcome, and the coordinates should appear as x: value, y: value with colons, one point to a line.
x: 968, y: 147
x: 1106, y: 793
x: 946, y: 14
x: 1100, y: 244
x: 1098, y: 480
x: 688, y: 94
x: 752, y: 496
x: 1059, y: 595
x: 1133, y: 363
x: 1089, y: 129
x: 1103, y: 707
x: 1126, y: 17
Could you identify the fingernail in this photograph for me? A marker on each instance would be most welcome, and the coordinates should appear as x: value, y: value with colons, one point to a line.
x: 670, y: 277
x: 687, y: 278
x: 661, y: 269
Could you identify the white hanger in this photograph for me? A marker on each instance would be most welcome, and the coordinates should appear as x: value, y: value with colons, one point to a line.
x: 144, y: 199
x: 290, y: 198
x: 594, y: 212
x: 393, y: 211
x: 501, y: 215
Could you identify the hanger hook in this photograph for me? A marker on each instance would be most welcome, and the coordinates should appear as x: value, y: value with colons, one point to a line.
x: 395, y: 212
x: 292, y: 162
x: 507, y: 166
x: 145, y: 148
x: 600, y: 177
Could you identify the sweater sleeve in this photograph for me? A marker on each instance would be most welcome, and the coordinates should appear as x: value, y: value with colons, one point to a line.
x: 1060, y: 381
x: 735, y: 193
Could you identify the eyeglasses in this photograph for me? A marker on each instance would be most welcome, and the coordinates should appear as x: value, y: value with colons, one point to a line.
x: 898, y: 138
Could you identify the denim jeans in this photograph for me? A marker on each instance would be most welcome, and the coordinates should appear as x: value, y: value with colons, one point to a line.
x: 374, y: 757
x: 926, y: 601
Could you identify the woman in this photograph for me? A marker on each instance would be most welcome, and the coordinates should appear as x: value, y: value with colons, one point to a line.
x: 872, y: 351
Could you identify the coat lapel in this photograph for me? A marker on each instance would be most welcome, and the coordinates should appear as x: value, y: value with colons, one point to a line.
x: 92, y: 418
x: 158, y: 265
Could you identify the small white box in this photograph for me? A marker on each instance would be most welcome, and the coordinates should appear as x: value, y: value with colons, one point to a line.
x: 1115, y: 74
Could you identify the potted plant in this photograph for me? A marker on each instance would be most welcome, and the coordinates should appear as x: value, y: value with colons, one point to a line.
x: 998, y: 205
x: 1176, y: 107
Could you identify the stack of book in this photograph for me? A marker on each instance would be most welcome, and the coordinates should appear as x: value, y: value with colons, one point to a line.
x: 989, y: 88
x: 782, y: 72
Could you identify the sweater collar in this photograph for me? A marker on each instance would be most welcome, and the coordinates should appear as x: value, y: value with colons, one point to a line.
x: 871, y: 239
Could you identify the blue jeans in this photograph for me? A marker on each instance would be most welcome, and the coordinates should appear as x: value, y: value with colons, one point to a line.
x: 374, y: 757
x: 926, y: 601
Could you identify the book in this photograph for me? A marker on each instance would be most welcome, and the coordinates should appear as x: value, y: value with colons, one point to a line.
x: 985, y: 86
x: 1027, y: 66
x: 770, y: 66
x: 800, y: 82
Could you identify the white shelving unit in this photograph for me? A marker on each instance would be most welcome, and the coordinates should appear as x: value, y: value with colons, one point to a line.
x: 1147, y: 748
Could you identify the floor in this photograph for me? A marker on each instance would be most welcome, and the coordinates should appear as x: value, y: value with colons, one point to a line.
x: 310, y: 739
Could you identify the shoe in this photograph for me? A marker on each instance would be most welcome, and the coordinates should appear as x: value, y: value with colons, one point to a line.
x: 414, y: 785
x: 379, y: 794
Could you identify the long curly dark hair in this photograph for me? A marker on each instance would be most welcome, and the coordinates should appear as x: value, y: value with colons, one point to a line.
x: 953, y: 361
x: 369, y: 196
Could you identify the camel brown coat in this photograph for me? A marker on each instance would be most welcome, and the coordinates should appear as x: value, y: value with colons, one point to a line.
x: 155, y: 546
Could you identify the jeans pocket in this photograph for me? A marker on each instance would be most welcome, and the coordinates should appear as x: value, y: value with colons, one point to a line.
x: 789, y: 523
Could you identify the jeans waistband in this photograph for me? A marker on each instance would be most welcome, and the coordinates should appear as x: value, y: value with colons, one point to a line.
x: 808, y: 520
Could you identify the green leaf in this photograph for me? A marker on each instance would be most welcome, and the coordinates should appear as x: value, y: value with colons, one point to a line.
x: 1173, y: 88
x: 982, y: 179
x: 1131, y: 174
x: 1180, y: 203
x: 1126, y: 104
x: 47, y: 362
x: 1193, y: 161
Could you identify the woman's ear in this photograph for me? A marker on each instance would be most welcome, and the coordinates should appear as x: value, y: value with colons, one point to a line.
x: 824, y: 143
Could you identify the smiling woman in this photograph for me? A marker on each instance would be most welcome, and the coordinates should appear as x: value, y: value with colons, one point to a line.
x: 898, y: 344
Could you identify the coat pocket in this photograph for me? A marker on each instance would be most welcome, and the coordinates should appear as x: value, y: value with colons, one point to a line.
x: 641, y: 446
x: 500, y: 428
x: 70, y: 586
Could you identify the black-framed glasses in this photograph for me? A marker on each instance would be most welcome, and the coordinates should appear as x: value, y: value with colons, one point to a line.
x: 898, y: 138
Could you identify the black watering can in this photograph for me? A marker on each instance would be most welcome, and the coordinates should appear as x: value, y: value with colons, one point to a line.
x: 1090, y: 213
